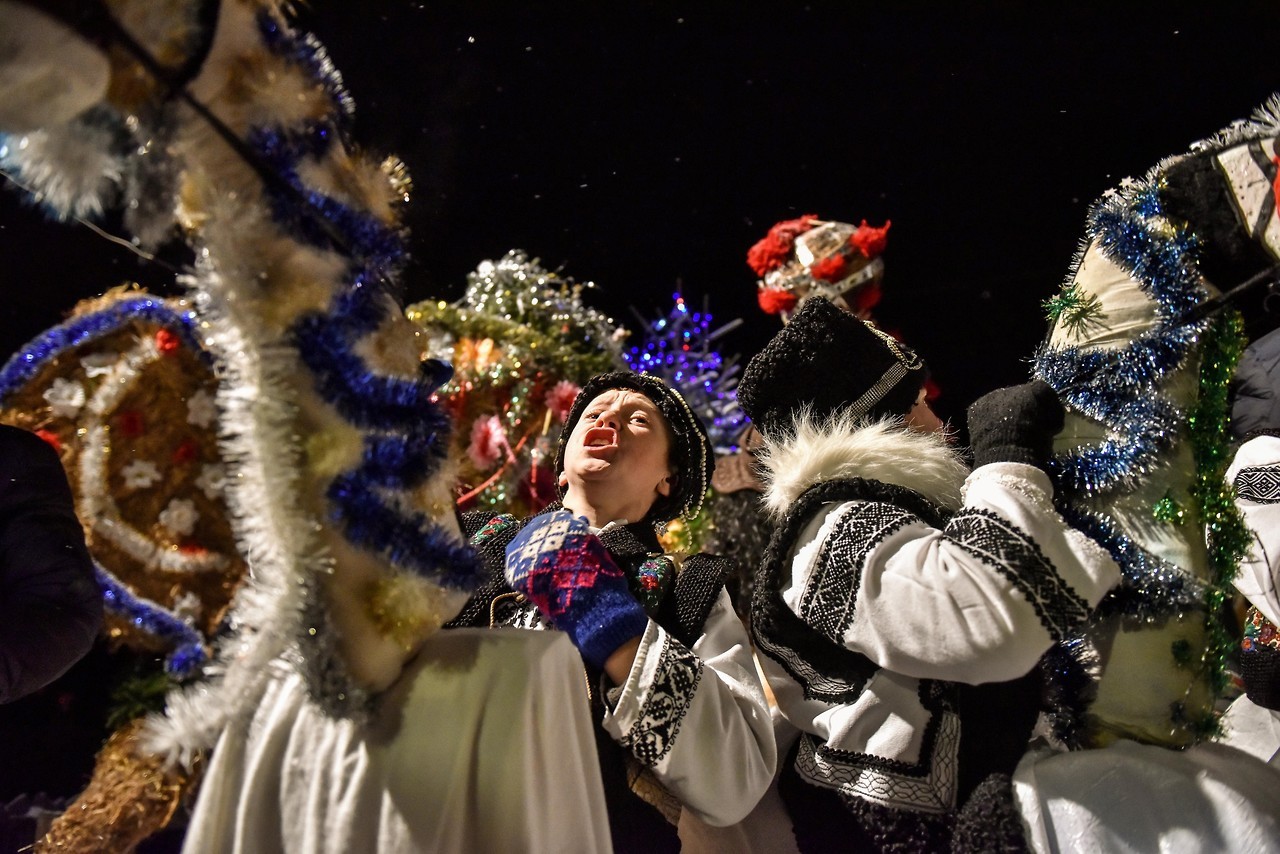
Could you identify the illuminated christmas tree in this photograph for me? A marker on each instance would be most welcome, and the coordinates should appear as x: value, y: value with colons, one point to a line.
x: 679, y: 349
x: 522, y: 342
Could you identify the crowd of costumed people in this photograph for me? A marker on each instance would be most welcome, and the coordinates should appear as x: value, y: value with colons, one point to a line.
x: 290, y: 565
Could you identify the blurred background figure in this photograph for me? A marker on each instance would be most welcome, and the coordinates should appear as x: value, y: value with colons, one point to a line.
x: 50, y: 606
x: 1252, y: 723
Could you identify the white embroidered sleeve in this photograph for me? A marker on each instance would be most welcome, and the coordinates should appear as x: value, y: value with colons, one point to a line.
x: 698, y: 718
x: 977, y: 601
x: 1255, y: 475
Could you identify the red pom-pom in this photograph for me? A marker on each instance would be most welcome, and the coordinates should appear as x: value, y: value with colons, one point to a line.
x: 166, y: 341
x: 767, y: 255
x: 833, y: 268
x: 50, y: 437
x: 870, y: 241
x: 774, y: 300
x: 772, y: 251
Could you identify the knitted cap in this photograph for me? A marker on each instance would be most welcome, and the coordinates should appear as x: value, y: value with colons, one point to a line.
x: 691, y: 450
x: 830, y: 361
x: 805, y: 257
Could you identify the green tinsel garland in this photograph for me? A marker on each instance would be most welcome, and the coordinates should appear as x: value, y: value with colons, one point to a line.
x: 1227, y: 535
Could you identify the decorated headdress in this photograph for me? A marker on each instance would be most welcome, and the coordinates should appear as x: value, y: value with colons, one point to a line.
x: 805, y: 257
x: 690, y: 448
x: 829, y: 361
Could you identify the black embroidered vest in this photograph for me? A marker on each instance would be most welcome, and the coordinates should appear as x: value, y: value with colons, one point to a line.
x: 996, y: 719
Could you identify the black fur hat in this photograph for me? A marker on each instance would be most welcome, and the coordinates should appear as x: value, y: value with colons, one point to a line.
x: 691, y: 450
x: 830, y: 361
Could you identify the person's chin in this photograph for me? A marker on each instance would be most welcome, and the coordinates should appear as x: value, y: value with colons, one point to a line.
x: 595, y: 469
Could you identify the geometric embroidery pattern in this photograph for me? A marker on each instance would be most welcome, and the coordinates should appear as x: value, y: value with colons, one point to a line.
x: 824, y: 668
x: 678, y: 673
x: 1259, y: 484
x: 1011, y: 552
x: 863, y: 776
x: 830, y: 595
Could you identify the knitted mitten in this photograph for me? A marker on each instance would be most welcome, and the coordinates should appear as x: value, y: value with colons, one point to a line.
x: 1015, y: 424
x: 564, y: 569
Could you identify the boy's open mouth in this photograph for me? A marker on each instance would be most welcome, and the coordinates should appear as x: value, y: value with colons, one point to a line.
x: 600, y: 438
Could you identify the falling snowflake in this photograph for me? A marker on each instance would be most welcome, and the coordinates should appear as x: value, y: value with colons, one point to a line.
x: 201, y: 409
x: 140, y: 474
x: 180, y: 517
x: 65, y: 397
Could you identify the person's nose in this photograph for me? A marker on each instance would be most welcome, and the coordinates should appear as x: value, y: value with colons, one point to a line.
x: 608, y: 418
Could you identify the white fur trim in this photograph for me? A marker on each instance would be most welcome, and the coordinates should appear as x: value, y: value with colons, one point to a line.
x: 817, y: 450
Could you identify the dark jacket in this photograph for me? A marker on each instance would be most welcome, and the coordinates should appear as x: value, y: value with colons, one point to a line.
x: 50, y: 603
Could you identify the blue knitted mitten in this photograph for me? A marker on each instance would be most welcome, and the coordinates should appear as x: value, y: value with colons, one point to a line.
x: 564, y: 569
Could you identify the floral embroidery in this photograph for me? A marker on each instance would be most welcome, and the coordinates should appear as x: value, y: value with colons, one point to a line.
x: 179, y: 517
x: 651, y: 581
x: 65, y: 397
x: 201, y: 409
x: 140, y: 474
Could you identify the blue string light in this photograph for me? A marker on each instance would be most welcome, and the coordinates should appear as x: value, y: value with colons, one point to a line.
x: 678, y: 349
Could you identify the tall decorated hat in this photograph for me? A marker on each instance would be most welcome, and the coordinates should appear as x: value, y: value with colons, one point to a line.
x: 806, y: 257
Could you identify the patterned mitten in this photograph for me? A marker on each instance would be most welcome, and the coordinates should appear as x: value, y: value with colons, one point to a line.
x: 564, y: 569
x: 1015, y: 424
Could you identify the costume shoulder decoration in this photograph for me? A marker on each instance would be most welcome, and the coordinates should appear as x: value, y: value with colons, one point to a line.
x: 282, y: 413
x: 1143, y: 339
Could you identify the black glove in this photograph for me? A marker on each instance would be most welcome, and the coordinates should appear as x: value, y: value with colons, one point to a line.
x: 1015, y: 424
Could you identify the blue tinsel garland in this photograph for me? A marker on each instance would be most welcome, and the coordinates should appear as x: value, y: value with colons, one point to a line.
x: 306, y: 50
x: 24, y: 364
x: 1120, y: 388
x: 406, y: 429
x: 187, y: 644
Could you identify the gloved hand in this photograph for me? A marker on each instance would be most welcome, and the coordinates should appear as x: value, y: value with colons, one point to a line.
x: 564, y: 569
x: 1015, y: 424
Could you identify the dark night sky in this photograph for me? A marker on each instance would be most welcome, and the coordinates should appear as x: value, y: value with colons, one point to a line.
x: 642, y: 145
